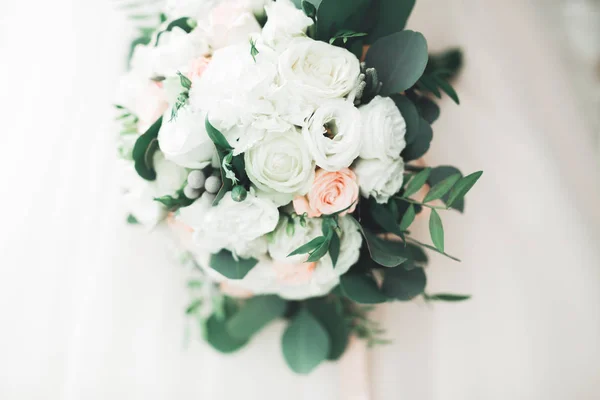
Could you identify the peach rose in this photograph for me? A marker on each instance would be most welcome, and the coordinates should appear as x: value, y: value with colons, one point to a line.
x: 331, y: 192
x: 294, y: 274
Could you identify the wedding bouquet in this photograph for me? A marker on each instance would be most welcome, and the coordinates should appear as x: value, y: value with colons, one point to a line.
x: 280, y: 143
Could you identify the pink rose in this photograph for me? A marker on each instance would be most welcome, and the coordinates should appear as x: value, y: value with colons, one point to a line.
x: 294, y: 274
x: 331, y: 192
x: 197, y: 67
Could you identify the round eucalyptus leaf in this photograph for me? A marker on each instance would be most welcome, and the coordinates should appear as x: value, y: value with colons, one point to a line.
x: 305, y: 343
x: 404, y: 284
x: 418, y: 131
x: 224, y: 263
x: 254, y: 315
x: 219, y: 338
x: 362, y: 288
x: 334, y: 323
x: 390, y: 17
x: 400, y: 60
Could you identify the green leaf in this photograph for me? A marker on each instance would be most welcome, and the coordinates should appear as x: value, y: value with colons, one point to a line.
x: 224, y: 263
x: 216, y: 136
x: 144, y: 149
x: 320, y: 251
x: 449, y: 61
x: 436, y: 250
x: 336, y: 15
x: 254, y: 315
x: 334, y: 248
x: 440, y: 189
x: 384, y: 217
x: 428, y: 110
x: 418, y: 131
x: 436, y: 230
x: 383, y: 252
x: 446, y: 87
x: 309, y: 9
x: 310, y: 246
x: 408, y: 218
x: 131, y: 219
x: 305, y: 343
x: 185, y: 82
x: 390, y: 17
x: 345, y: 35
x: 417, y: 182
x: 440, y: 173
x: 361, y: 288
x: 332, y: 319
x: 447, y: 297
x: 399, y: 59
x: 219, y: 338
x: 404, y: 284
x: 462, y: 187
x: 185, y: 23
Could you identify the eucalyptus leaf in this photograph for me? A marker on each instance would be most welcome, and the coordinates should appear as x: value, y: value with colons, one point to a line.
x: 216, y: 136
x: 436, y: 230
x: 224, y: 263
x: 462, y: 187
x: 441, y: 188
x: 305, y: 343
x: 332, y: 319
x: 383, y: 252
x: 219, y: 338
x: 254, y: 315
x: 337, y: 15
x: 418, y: 131
x: 417, y: 182
x: 384, y: 217
x: 400, y: 60
x: 184, y: 23
x: 390, y: 17
x: 427, y: 109
x: 404, y: 284
x: 361, y: 288
x: 144, y: 149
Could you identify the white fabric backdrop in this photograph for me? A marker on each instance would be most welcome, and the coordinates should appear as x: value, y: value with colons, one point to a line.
x: 92, y: 308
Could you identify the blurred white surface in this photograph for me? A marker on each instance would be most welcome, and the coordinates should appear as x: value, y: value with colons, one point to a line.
x: 92, y: 308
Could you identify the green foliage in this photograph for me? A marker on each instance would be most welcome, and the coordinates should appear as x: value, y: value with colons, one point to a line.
x: 224, y: 263
x: 462, y: 187
x: 436, y: 230
x: 339, y: 15
x: 132, y: 220
x: 440, y: 69
x: 404, y: 284
x: 383, y: 252
x: 418, y: 131
x: 318, y: 247
x: 442, y: 188
x: 330, y: 314
x: 427, y: 109
x: 346, y: 34
x: 408, y: 218
x: 253, y: 50
x: 309, y: 9
x: 305, y: 343
x: 254, y: 315
x: 361, y: 288
x: 144, y: 149
x: 399, y: 59
x: 174, y: 203
x: 218, y: 336
x: 438, y: 174
x: 364, y: 327
x: 226, y: 159
x: 448, y: 297
x: 390, y: 17
x: 417, y: 182
x: 186, y: 23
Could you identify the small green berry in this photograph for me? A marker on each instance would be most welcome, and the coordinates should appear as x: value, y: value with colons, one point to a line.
x: 239, y: 193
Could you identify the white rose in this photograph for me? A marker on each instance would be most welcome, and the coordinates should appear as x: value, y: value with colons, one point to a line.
x: 292, y: 279
x: 229, y: 23
x: 281, y: 164
x: 318, y: 71
x: 188, y: 8
x: 233, y: 88
x: 284, y: 23
x: 233, y: 225
x: 383, y: 129
x: 184, y: 140
x: 140, y: 194
x: 333, y: 134
x: 380, y: 179
x: 175, y: 51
